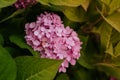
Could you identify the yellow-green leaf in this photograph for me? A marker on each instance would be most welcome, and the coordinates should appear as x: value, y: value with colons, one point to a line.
x: 34, y: 68
x: 7, y: 65
x: 5, y: 3
x: 117, y: 49
x: 20, y: 41
x: 114, y: 20
x: 110, y: 69
x: 76, y: 14
x: 71, y: 3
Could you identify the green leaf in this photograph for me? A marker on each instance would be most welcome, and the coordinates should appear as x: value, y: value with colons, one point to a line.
x: 117, y: 49
x: 89, y: 56
x: 80, y: 73
x: 13, y: 15
x: 5, y: 3
x: 7, y: 65
x: 62, y: 76
x: 109, y: 50
x: 70, y: 3
x: 110, y: 69
x: 20, y: 41
x: 85, y: 4
x: 115, y: 37
x: 1, y: 40
x: 106, y: 1
x: 84, y: 62
x: 44, y: 2
x: 105, y: 31
x: 114, y: 20
x: 34, y: 68
x: 76, y: 14
x: 69, y: 23
x: 114, y: 5
x: 119, y: 10
x: 84, y: 39
x: 0, y: 9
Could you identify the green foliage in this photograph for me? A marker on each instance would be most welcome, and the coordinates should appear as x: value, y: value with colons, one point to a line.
x: 1, y: 40
x: 13, y: 15
x: 32, y: 68
x: 105, y: 31
x: 112, y: 4
x: 117, y: 49
x: 76, y: 14
x: 85, y: 4
x: 110, y: 69
x: 109, y: 50
x: 70, y: 3
x: 5, y: 3
x: 113, y: 20
x: 80, y: 73
x: 20, y: 41
x: 62, y: 76
x: 7, y: 66
x: 115, y: 37
x: 97, y: 23
x: 89, y: 56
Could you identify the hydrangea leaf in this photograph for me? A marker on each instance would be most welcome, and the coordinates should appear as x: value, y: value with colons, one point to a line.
x: 13, y: 15
x: 117, y: 49
x: 20, y: 41
x: 70, y: 3
x: 89, y: 56
x: 76, y: 14
x: 115, y: 37
x: 44, y: 2
x: 7, y: 65
x: 109, y: 50
x: 70, y: 23
x: 79, y: 73
x: 62, y: 76
x: 5, y: 3
x: 106, y: 1
x: 110, y: 69
x: 114, y: 20
x: 85, y: 4
x: 83, y: 61
x: 1, y: 40
x: 34, y: 68
x: 84, y: 39
x: 114, y: 5
x: 105, y: 32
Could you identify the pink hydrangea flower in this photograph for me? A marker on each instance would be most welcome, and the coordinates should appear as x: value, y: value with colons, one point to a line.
x: 24, y: 3
x: 49, y: 36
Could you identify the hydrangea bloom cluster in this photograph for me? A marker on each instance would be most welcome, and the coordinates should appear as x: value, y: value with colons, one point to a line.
x: 49, y: 36
x: 24, y: 3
